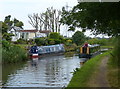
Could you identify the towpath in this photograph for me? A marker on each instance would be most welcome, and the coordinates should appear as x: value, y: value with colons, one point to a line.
x: 99, y: 77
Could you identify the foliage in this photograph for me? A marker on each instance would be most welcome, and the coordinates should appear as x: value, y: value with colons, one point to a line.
x: 7, y: 25
x: 68, y: 42
x: 12, y: 53
x: 102, y: 41
x: 21, y: 41
x: 55, y: 38
x: 5, y: 44
x: 51, y: 41
x: 54, y: 35
x: 116, y: 52
x: 30, y: 41
x: 18, y: 23
x: 40, y: 41
x: 57, y: 41
x: 93, y: 41
x: 78, y: 38
x: 8, y: 36
x: 105, y: 21
x: 70, y: 47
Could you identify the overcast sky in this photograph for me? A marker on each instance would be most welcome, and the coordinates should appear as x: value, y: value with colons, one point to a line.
x: 21, y: 8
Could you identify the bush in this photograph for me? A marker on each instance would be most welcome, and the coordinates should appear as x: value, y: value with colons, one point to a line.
x: 13, y: 54
x: 21, y: 41
x: 57, y: 41
x: 51, y: 41
x: 5, y: 44
x: 40, y: 41
x: 54, y: 35
x: 79, y: 38
x: 30, y: 41
x: 55, y: 38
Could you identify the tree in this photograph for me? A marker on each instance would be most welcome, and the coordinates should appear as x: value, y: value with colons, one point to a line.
x: 98, y: 17
x: 54, y: 35
x: 55, y: 38
x: 8, y: 24
x: 78, y: 38
x: 48, y: 20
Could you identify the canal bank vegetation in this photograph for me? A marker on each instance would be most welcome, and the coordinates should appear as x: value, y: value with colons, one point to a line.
x: 114, y: 65
x: 12, y: 53
x: 83, y: 75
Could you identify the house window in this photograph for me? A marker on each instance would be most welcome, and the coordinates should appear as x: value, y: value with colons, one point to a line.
x: 22, y: 35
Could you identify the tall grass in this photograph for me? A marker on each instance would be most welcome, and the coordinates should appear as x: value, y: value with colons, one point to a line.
x: 13, y: 54
x: 0, y: 53
x: 114, y: 65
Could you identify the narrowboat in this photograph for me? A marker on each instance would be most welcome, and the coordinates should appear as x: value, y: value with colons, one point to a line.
x: 35, y: 51
x: 88, y: 52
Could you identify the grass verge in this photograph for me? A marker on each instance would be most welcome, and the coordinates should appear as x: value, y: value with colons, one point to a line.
x: 113, y: 73
x: 83, y: 75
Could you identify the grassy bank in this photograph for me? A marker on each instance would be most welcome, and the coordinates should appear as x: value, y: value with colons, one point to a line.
x: 113, y: 74
x: 83, y: 75
x: 114, y: 65
x: 12, y: 53
x: 108, y: 47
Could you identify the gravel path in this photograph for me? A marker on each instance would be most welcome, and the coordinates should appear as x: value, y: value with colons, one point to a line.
x: 99, y: 78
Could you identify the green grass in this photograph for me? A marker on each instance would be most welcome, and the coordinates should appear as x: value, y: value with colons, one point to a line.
x: 13, y: 54
x: 113, y: 72
x: 103, y: 47
x: 83, y: 75
x: 25, y: 46
x: 0, y: 53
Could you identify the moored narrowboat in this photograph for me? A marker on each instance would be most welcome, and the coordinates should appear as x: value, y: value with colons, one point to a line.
x: 88, y: 52
x: 39, y: 50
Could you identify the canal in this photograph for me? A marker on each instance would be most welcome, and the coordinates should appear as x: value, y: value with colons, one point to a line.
x: 49, y: 71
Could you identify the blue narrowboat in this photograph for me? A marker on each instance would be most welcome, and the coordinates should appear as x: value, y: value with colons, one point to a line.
x: 35, y: 51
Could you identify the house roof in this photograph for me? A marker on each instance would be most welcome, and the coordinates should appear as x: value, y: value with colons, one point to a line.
x: 28, y: 30
x: 43, y: 31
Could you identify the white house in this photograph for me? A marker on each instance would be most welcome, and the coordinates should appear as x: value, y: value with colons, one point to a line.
x: 15, y: 31
x: 27, y: 34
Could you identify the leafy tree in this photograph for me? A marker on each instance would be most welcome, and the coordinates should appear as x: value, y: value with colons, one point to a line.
x: 100, y: 17
x: 18, y: 23
x: 78, y: 38
x: 7, y: 25
x: 54, y: 35
x: 93, y: 41
x: 7, y: 36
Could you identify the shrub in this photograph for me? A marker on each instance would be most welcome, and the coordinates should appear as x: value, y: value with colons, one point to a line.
x: 54, y: 35
x: 13, y: 54
x: 5, y: 44
x: 40, y: 41
x: 57, y: 41
x: 31, y: 41
x: 51, y: 41
x: 21, y: 41
x: 79, y: 38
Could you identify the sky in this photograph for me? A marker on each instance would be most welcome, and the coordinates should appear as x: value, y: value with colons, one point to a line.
x: 21, y: 8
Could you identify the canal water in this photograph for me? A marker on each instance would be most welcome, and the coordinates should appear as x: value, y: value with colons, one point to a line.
x: 50, y: 71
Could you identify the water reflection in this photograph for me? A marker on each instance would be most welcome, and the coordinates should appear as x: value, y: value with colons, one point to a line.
x: 52, y: 71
